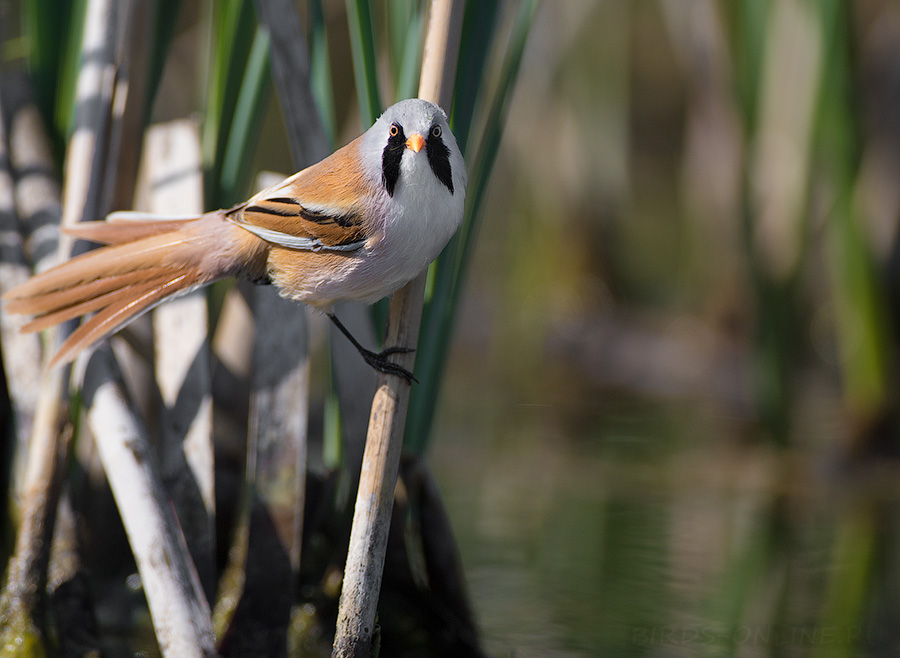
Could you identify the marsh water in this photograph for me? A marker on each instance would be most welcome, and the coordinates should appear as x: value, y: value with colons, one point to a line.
x: 604, y: 525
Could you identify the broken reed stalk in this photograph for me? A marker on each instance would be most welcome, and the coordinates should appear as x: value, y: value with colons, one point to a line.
x: 381, y: 460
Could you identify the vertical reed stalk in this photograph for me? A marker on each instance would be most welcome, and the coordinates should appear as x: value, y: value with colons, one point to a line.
x: 94, y: 93
x: 381, y: 460
x: 33, y: 198
x: 276, y: 447
x: 174, y: 176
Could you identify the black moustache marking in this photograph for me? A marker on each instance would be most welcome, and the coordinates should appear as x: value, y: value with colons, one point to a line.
x: 390, y: 160
x: 439, y: 159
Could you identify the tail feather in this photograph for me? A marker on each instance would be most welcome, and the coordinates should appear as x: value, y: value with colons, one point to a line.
x: 87, y: 302
x: 120, y: 228
x: 55, y: 301
x: 145, y: 262
x: 154, y: 251
x: 132, y: 302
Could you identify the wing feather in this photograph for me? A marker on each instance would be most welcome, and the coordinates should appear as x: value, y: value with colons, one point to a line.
x: 321, y: 208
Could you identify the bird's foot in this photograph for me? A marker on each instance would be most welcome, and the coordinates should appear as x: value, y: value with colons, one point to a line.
x: 379, y: 361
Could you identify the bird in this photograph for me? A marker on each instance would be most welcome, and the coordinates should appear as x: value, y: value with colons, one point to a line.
x: 357, y: 225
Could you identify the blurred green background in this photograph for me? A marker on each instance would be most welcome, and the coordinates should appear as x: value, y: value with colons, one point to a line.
x: 669, y: 425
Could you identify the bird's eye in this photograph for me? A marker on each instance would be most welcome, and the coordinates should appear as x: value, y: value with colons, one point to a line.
x: 395, y: 130
x: 436, y: 131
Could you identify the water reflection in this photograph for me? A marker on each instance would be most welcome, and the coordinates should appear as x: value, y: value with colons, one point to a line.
x: 644, y: 530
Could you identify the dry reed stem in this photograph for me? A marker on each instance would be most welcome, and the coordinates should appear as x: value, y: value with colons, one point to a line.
x: 291, y: 71
x: 355, y: 381
x: 280, y: 377
x: 177, y: 608
x: 38, y: 193
x: 173, y: 173
x: 255, y: 609
x: 180, y: 613
x: 270, y: 530
x: 381, y: 460
x: 26, y: 573
x: 27, y: 152
x: 278, y: 418
x: 131, y: 100
x: 94, y: 94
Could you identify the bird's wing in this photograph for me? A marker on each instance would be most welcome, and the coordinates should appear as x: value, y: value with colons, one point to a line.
x: 321, y: 208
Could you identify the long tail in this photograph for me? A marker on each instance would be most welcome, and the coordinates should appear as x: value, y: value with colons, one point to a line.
x: 146, y: 262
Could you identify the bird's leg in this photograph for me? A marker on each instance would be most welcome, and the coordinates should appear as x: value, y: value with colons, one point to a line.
x: 377, y: 360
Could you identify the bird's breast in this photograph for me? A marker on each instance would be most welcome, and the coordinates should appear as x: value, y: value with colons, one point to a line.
x: 419, y: 221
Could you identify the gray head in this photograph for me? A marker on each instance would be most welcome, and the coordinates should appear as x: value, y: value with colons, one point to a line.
x: 415, y: 124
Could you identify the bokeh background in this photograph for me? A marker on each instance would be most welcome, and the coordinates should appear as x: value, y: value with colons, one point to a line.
x: 668, y: 425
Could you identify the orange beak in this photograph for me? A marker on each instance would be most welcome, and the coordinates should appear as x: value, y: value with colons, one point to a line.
x: 415, y: 142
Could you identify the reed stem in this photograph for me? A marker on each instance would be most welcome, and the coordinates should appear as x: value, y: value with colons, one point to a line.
x: 381, y: 460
